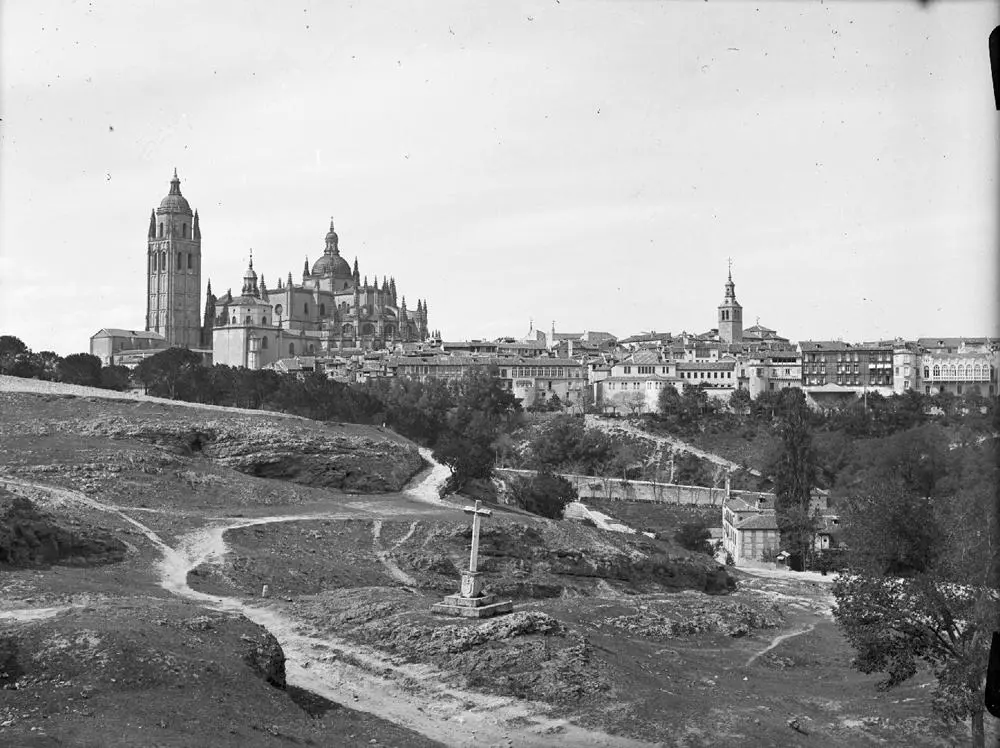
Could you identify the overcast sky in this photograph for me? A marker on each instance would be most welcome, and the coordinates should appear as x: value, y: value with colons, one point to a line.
x: 592, y: 163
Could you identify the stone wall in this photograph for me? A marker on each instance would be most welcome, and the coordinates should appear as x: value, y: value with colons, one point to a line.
x: 615, y: 489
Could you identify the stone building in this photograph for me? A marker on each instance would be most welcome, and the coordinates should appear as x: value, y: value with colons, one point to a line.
x: 173, y: 270
x: 331, y: 310
x: 730, y: 315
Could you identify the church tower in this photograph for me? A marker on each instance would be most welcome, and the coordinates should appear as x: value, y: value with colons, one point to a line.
x: 173, y: 270
x: 730, y: 314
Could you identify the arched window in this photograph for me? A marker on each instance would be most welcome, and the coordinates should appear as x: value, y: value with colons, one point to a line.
x: 234, y: 319
x: 190, y: 261
x: 937, y: 371
x: 249, y: 320
x: 291, y: 349
x: 263, y: 342
x: 322, y: 310
x: 184, y: 231
x: 179, y: 260
x: 952, y: 370
x: 263, y: 321
x: 961, y: 371
x: 312, y: 349
x: 305, y: 309
x: 161, y: 229
x: 978, y: 371
x: 163, y: 261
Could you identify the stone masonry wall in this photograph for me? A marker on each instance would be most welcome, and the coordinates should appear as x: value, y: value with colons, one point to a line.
x: 615, y: 489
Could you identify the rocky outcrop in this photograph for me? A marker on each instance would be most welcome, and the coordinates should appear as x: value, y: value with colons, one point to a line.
x: 359, y: 458
x: 30, y: 538
x: 266, y: 658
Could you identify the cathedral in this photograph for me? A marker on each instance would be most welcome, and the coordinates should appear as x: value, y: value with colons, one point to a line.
x: 330, y: 311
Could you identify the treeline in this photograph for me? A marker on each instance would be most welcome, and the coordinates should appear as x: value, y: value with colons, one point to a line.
x: 17, y: 360
x: 692, y: 411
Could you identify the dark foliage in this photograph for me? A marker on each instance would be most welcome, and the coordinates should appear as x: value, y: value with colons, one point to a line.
x: 544, y: 494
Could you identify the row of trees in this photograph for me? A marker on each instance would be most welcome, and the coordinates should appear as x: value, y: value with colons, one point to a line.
x: 17, y: 360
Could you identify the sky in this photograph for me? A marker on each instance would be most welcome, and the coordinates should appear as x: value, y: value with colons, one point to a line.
x: 596, y: 164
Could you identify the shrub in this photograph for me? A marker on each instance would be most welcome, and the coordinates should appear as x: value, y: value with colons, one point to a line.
x: 694, y: 536
x: 544, y: 494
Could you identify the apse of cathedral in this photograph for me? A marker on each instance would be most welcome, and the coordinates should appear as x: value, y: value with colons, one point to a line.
x: 330, y: 310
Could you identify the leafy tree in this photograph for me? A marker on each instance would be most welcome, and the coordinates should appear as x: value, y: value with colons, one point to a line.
x: 170, y: 373
x: 47, y: 364
x: 483, y: 407
x: 695, y: 536
x: 80, y: 368
x: 895, y: 624
x: 11, y: 348
x: 794, y: 475
x: 115, y: 378
x: 740, y: 401
x: 544, y: 494
x: 669, y: 402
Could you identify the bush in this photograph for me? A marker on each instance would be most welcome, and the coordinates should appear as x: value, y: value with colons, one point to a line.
x: 694, y: 536
x: 545, y: 494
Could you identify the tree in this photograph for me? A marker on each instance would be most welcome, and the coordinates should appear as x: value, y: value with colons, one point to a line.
x: 894, y: 624
x: 47, y: 364
x: 739, y: 401
x: 11, y: 348
x: 695, y: 536
x: 635, y: 402
x: 794, y: 475
x: 80, y: 368
x: 891, y: 531
x: 483, y: 406
x: 544, y: 494
x: 169, y: 373
x: 115, y: 378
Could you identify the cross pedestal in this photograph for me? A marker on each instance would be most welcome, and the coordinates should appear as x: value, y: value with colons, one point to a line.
x: 470, y: 602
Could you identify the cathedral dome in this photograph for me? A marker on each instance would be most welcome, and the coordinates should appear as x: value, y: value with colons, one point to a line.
x: 332, y: 264
x: 175, y: 202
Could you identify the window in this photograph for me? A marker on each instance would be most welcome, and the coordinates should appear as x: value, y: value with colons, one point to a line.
x: 179, y: 260
x: 978, y: 372
x: 322, y: 310
x: 952, y: 370
x: 937, y: 371
x: 234, y: 319
x: 190, y: 261
x: 927, y: 373
x: 291, y: 349
x: 161, y: 229
x: 263, y: 342
x: 263, y: 321
x: 163, y: 261
x: 961, y: 371
x: 184, y: 231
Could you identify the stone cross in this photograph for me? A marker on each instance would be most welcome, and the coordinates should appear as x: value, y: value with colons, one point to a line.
x: 476, y: 513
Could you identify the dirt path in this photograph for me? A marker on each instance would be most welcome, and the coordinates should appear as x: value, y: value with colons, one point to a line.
x: 673, y: 442
x: 411, y: 695
x: 777, y: 640
x: 382, y: 555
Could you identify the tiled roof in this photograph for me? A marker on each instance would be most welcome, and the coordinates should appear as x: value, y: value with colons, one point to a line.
x: 115, y: 332
x: 766, y: 521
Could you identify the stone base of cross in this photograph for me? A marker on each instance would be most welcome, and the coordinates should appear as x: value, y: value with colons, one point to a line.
x: 470, y: 602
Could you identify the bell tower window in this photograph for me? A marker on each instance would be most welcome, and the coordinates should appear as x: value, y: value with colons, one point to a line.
x: 184, y: 230
x: 161, y: 229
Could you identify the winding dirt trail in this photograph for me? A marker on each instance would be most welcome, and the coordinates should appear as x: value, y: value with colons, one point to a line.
x: 411, y: 695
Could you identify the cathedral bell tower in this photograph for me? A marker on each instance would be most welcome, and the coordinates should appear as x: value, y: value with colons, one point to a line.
x: 730, y: 314
x: 173, y: 270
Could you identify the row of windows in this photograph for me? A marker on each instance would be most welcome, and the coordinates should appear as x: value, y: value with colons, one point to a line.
x: 961, y: 371
x: 158, y: 261
x: 705, y: 374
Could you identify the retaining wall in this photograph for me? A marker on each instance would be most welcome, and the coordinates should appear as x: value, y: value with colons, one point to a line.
x: 616, y: 489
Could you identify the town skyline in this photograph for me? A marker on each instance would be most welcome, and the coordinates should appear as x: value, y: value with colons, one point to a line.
x: 592, y: 165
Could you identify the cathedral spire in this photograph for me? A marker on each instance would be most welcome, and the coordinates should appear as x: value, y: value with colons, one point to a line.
x: 290, y: 284
x: 175, y: 184
x: 152, y: 224
x: 195, y: 228
x: 357, y: 276
x: 305, y: 268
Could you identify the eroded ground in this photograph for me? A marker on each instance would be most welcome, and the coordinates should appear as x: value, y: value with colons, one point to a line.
x: 615, y: 639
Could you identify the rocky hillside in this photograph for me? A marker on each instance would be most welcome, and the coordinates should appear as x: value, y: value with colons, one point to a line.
x: 30, y: 538
x: 345, y: 457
